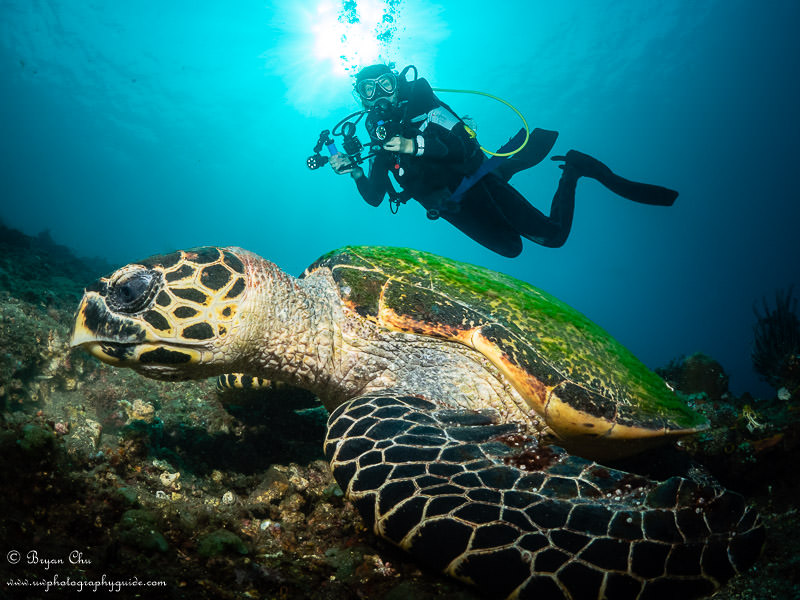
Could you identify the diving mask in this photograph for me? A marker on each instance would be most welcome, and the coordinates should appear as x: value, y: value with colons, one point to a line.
x: 368, y: 88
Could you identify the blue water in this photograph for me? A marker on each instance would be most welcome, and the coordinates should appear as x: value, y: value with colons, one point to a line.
x: 129, y: 129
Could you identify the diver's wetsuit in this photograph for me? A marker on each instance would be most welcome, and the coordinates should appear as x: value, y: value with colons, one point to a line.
x: 449, y: 152
x: 491, y: 212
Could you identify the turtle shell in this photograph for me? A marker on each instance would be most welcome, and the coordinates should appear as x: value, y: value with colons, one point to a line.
x: 589, y: 389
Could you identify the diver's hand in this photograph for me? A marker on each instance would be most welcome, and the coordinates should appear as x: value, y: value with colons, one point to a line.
x: 400, y: 145
x: 341, y: 163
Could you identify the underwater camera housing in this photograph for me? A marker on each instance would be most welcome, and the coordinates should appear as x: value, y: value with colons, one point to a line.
x: 384, y: 121
x: 351, y: 145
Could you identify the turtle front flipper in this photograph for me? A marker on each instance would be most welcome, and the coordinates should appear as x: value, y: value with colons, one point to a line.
x: 485, y: 504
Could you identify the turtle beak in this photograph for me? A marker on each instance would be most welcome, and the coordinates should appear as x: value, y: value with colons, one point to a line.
x: 103, y: 334
x: 82, y: 333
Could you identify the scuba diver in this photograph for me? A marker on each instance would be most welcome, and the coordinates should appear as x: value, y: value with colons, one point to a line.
x: 436, y: 159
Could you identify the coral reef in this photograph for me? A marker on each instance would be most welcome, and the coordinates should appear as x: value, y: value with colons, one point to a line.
x: 748, y: 438
x: 776, y: 345
x: 695, y: 374
x: 225, y: 495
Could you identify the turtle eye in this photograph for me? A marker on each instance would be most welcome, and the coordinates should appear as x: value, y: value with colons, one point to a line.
x: 133, y: 291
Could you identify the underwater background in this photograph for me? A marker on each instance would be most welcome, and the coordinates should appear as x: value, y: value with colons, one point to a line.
x: 130, y: 129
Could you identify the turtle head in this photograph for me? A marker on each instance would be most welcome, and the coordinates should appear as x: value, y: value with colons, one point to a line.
x: 172, y: 316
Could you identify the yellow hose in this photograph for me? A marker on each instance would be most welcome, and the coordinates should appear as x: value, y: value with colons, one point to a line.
x: 473, y: 134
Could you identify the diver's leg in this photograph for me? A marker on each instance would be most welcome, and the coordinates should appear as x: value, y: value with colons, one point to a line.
x: 551, y: 231
x: 478, y: 218
x: 539, y: 144
x: 562, y: 209
x: 646, y: 193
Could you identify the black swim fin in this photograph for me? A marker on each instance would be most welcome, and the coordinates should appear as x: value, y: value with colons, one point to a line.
x: 540, y: 142
x: 646, y: 193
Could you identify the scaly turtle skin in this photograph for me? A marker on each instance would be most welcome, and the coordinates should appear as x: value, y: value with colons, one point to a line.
x: 447, y: 384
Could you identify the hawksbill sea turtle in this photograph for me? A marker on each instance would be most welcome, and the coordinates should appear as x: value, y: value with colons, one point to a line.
x: 467, y: 412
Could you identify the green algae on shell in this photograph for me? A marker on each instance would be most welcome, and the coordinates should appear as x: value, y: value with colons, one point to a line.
x: 569, y: 369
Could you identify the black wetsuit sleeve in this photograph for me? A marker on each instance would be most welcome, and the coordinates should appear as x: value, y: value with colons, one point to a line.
x: 374, y: 186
